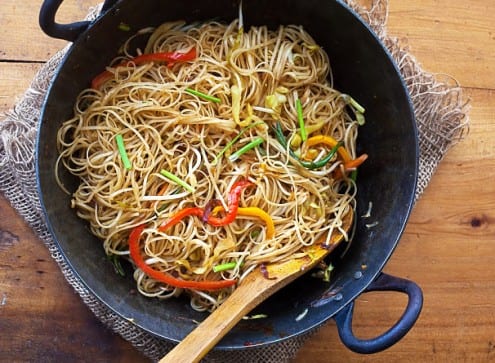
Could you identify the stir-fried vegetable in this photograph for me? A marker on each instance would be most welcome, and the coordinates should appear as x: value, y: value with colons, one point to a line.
x: 224, y: 266
x: 176, y: 180
x: 232, y: 204
x: 203, y: 95
x: 276, y: 100
x: 279, y: 134
x: 256, y: 142
x: 260, y: 213
x: 355, y: 107
x: 253, y: 212
x: 296, y: 140
x: 350, y: 165
x: 168, y: 57
x: 331, y: 142
x: 300, y: 118
x: 122, y: 151
x: 209, y: 217
x: 180, y: 215
x: 136, y: 256
x: 235, y: 93
x: 233, y: 141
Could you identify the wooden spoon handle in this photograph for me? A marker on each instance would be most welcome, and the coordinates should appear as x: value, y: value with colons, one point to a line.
x: 253, y: 290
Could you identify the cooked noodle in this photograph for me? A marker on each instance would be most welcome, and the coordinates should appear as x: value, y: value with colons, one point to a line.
x: 166, y: 128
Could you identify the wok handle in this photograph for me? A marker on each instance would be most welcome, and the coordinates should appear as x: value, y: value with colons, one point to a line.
x: 383, y: 282
x: 70, y: 31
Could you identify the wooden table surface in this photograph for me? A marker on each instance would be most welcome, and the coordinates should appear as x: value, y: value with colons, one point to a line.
x: 448, y: 247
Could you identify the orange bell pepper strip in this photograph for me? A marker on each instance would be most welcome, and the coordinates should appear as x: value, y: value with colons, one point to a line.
x: 331, y: 142
x: 350, y: 165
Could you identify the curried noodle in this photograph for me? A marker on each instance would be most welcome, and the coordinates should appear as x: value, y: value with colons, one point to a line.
x: 211, y: 153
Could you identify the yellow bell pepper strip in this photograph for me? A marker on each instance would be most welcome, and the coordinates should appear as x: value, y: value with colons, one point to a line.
x: 168, y: 57
x: 252, y: 212
x: 264, y: 272
x: 261, y: 214
x: 296, y: 140
x: 331, y: 142
x: 136, y: 256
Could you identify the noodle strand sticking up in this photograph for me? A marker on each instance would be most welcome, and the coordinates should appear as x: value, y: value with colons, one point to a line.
x: 238, y: 153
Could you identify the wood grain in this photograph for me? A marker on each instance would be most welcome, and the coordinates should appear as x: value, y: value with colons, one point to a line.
x: 447, y: 247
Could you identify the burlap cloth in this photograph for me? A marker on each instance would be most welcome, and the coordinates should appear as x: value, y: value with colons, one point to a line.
x: 441, y: 114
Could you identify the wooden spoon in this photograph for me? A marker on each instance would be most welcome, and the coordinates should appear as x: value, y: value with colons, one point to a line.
x: 254, y: 289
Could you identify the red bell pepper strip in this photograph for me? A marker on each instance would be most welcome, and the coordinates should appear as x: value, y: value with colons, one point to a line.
x: 177, y: 217
x: 168, y: 57
x: 209, y: 209
x: 164, y: 277
x: 232, y: 204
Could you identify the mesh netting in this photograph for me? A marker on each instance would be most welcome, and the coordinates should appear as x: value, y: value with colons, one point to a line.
x: 441, y: 116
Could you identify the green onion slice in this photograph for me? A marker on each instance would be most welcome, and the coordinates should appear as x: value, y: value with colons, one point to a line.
x: 356, y: 107
x: 176, y: 180
x: 224, y: 266
x: 257, y: 141
x: 233, y: 141
x: 123, y: 154
x: 203, y: 95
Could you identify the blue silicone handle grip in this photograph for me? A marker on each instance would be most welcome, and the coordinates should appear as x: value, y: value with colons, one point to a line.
x: 68, y: 32
x: 383, y: 282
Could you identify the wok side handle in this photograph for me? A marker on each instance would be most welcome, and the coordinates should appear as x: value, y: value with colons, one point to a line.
x: 383, y: 282
x: 69, y: 31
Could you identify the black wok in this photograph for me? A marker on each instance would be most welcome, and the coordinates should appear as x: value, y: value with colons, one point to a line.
x: 361, y: 67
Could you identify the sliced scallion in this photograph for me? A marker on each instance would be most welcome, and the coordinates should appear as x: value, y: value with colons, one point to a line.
x: 124, y: 27
x: 353, y: 103
x: 356, y: 107
x: 232, y: 142
x: 176, y: 180
x: 257, y: 141
x: 203, y: 95
x: 123, y: 154
x: 327, y: 273
x: 115, y: 259
x: 224, y: 266
x: 360, y: 118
